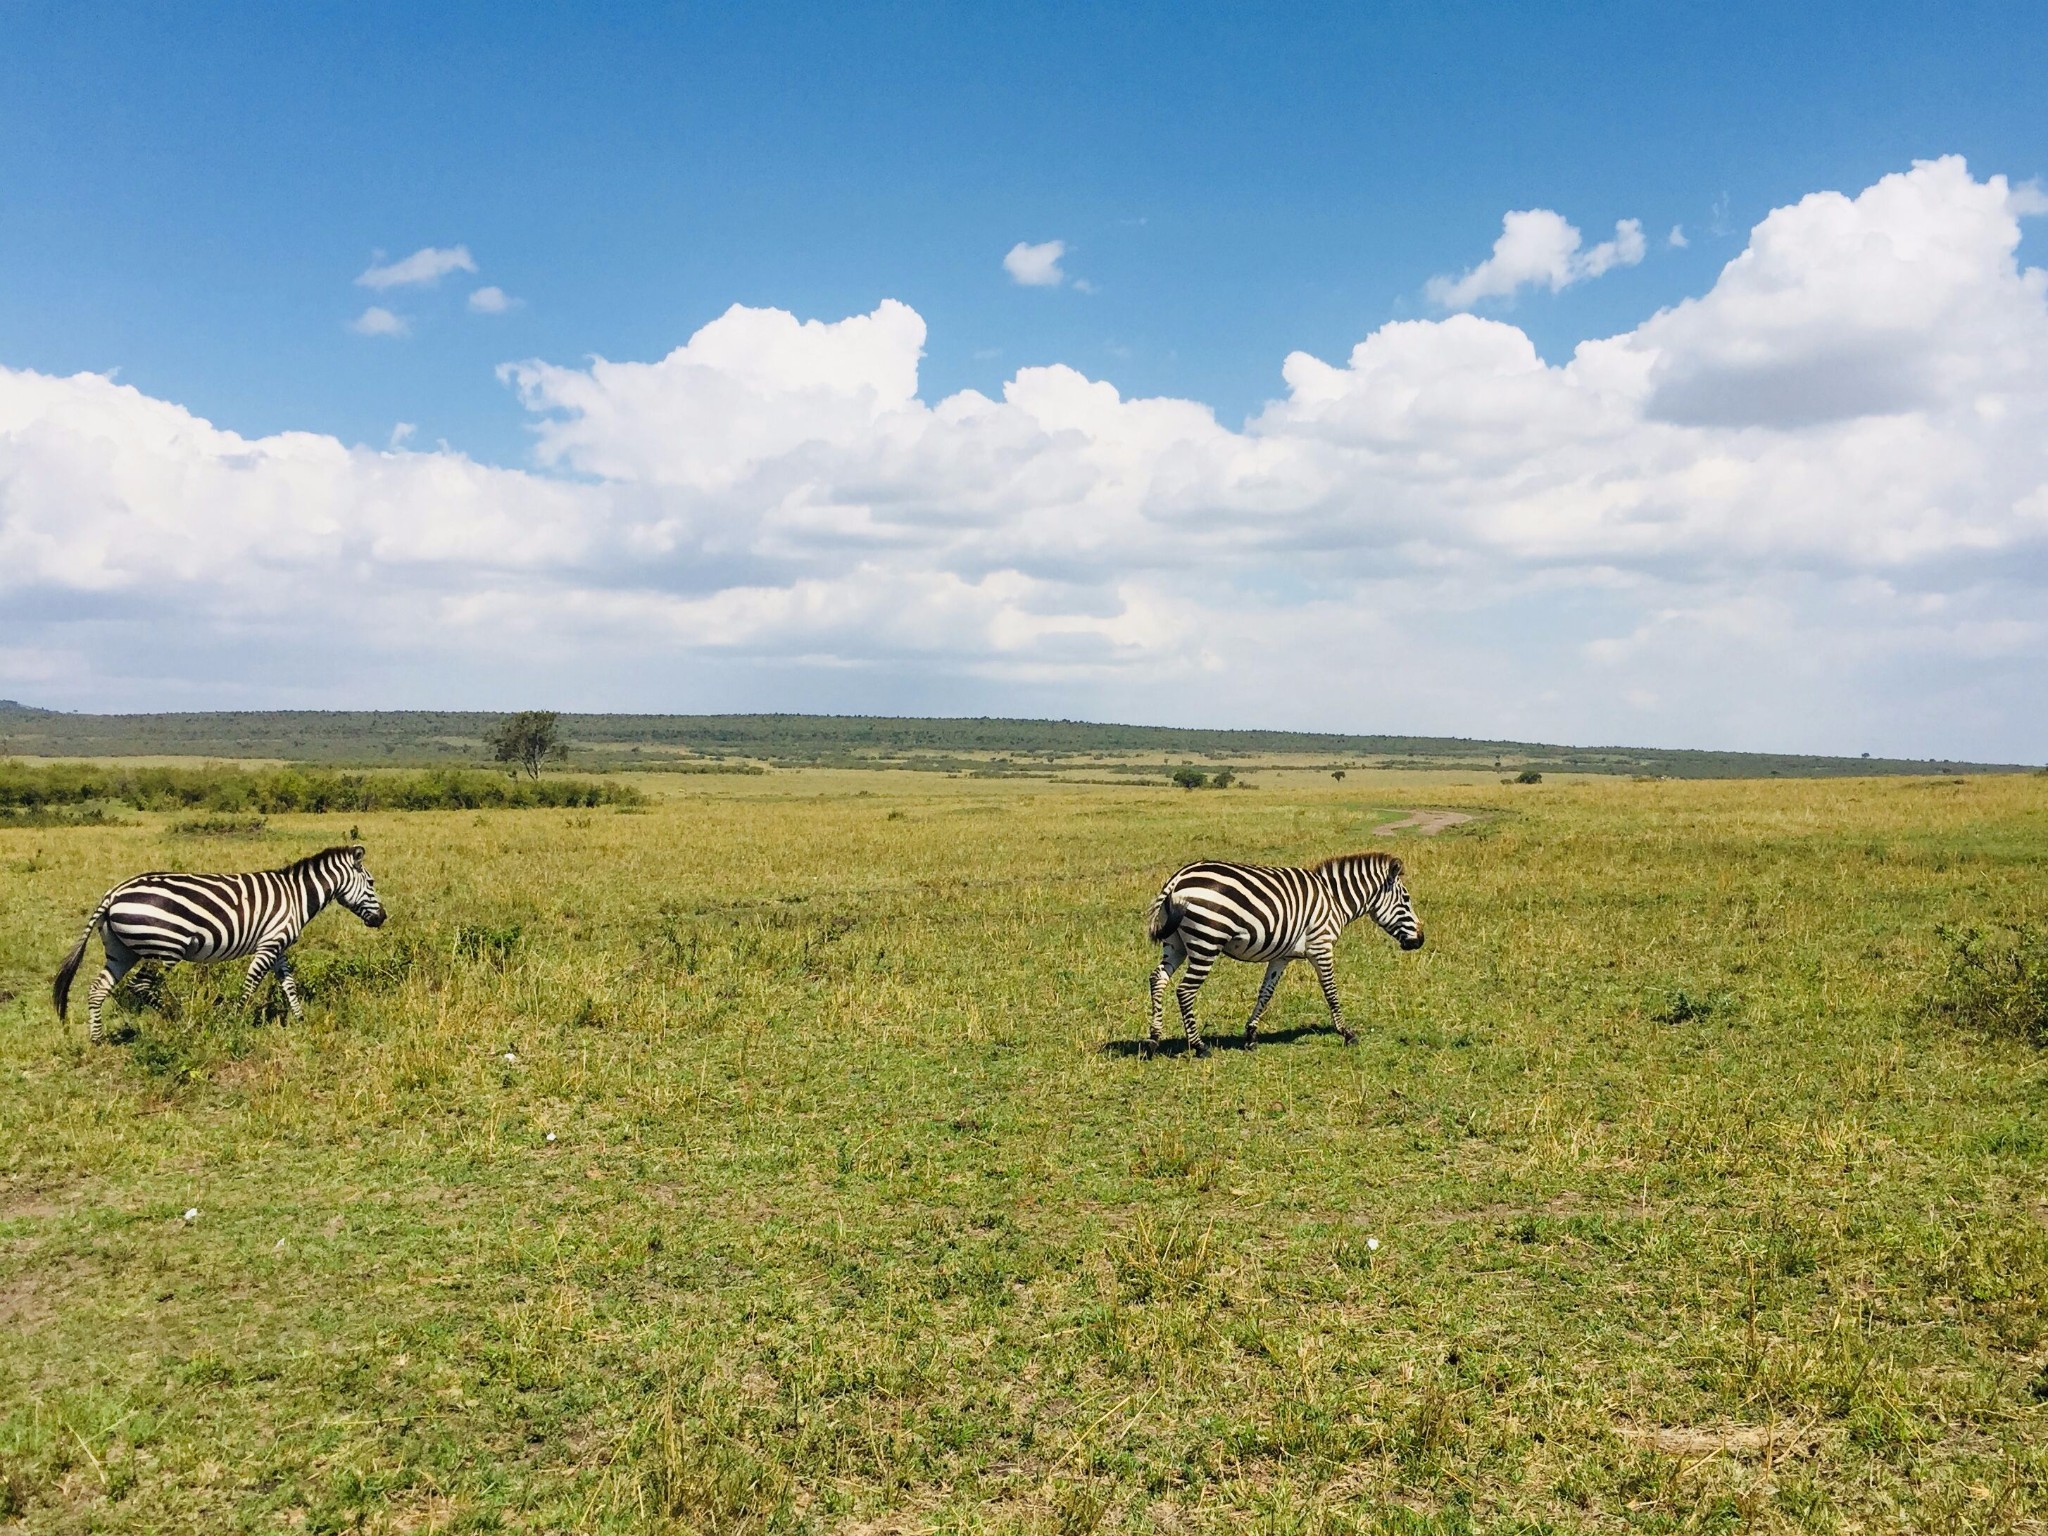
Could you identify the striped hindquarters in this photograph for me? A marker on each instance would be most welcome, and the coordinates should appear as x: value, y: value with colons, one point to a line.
x: 172, y: 917
x: 1247, y: 911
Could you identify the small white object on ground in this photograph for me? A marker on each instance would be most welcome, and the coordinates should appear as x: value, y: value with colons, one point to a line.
x: 551, y: 1135
x: 192, y: 1214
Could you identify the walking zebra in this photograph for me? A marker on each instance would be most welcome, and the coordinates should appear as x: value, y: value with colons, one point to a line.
x: 172, y: 917
x: 1252, y: 912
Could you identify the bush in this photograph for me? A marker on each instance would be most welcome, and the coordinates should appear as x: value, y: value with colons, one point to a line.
x: 1994, y: 980
x: 1528, y: 776
x: 284, y: 791
x: 1189, y: 777
x: 58, y: 816
x: 219, y: 826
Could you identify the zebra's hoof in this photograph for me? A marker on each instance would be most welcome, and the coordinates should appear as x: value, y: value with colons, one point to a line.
x: 1347, y: 1037
x: 1201, y: 1051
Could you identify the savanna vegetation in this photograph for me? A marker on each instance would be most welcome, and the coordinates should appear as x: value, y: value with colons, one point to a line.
x: 55, y: 793
x: 737, y: 743
x: 776, y: 1156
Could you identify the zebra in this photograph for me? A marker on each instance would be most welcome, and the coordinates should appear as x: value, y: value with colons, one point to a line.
x: 1254, y: 912
x: 169, y: 917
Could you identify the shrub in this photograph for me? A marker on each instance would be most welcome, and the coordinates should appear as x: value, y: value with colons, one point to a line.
x: 1528, y: 776
x: 1993, y: 980
x: 219, y: 826
x: 75, y: 790
x: 1189, y: 777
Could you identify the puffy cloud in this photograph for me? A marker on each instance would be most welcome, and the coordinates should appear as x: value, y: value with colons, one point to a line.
x: 1538, y: 246
x: 1808, y: 508
x: 427, y: 265
x: 379, y: 321
x: 491, y: 301
x: 1036, y: 266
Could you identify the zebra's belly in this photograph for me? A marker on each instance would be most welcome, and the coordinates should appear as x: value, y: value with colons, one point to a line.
x: 1265, y: 948
x: 155, y: 934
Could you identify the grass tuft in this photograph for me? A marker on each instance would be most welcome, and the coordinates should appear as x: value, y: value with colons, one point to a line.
x: 1993, y: 980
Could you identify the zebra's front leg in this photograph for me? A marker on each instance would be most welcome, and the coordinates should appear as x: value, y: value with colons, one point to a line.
x: 290, y: 986
x: 1171, y: 953
x: 1326, y: 973
x: 269, y: 958
x: 1184, y: 994
x: 1251, y: 1025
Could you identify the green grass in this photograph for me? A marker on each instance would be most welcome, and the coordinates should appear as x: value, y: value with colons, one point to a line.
x: 1692, y: 1213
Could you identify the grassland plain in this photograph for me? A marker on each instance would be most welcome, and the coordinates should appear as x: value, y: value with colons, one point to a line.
x: 776, y: 1157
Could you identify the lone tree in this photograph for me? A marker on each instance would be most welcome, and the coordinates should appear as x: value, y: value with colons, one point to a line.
x: 1337, y: 774
x: 1188, y: 776
x: 526, y: 740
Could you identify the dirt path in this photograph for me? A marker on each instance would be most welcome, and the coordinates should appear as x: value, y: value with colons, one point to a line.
x: 1424, y: 823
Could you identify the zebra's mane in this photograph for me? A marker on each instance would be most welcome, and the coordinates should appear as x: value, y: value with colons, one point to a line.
x: 1374, y: 865
x: 343, y: 851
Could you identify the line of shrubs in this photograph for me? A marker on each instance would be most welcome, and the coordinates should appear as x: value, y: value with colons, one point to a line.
x: 282, y: 791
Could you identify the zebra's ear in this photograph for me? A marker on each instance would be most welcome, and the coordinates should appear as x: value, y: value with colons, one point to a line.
x: 1394, y: 866
x: 356, y: 851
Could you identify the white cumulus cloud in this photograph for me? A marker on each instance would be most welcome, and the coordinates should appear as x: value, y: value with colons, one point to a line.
x: 1537, y: 246
x: 491, y: 300
x: 1807, y: 508
x: 379, y: 321
x: 1036, y: 266
x: 427, y: 265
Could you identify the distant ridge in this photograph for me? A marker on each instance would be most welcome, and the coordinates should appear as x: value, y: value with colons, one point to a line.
x: 978, y: 745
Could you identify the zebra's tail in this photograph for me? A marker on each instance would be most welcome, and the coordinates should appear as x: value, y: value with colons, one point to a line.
x: 60, y: 989
x: 1164, y: 918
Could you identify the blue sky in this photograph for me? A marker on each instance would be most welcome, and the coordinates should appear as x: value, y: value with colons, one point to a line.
x: 187, y: 193
x: 1805, y: 509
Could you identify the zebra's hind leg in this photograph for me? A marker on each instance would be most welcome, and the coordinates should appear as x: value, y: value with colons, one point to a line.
x: 1171, y: 953
x: 120, y: 961
x: 1184, y: 994
x: 1326, y: 973
x: 1251, y: 1025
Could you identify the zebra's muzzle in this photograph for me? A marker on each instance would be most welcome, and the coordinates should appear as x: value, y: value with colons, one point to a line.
x: 1414, y: 943
x: 374, y: 919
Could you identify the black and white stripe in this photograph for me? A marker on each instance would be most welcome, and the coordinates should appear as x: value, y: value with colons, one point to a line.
x: 171, y: 917
x: 1255, y: 912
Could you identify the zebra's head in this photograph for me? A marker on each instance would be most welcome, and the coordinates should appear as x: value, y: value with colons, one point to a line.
x: 356, y: 890
x: 1393, y: 911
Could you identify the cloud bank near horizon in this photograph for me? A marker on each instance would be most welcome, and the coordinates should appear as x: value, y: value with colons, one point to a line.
x: 1807, y: 509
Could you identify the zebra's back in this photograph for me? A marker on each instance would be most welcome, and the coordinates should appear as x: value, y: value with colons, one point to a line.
x: 166, y: 915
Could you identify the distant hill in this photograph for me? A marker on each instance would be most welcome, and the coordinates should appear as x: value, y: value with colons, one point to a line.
x: 989, y: 746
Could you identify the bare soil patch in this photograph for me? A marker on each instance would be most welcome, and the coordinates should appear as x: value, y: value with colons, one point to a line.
x: 1424, y: 823
x: 1741, y: 1440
